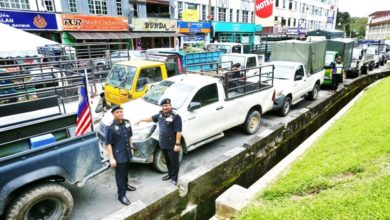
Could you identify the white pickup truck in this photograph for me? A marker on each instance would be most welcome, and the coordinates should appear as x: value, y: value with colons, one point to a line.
x: 361, y: 62
x: 247, y: 61
x: 374, y: 51
x: 293, y: 83
x: 207, y: 108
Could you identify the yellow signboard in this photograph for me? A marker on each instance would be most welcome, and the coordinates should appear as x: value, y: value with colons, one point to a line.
x: 191, y: 15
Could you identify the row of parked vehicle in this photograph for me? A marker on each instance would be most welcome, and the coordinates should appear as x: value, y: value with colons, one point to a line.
x: 37, y: 154
x: 296, y: 72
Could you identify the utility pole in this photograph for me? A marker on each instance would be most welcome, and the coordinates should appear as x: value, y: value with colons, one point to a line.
x: 209, y: 11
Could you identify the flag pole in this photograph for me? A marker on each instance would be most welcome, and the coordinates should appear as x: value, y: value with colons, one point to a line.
x: 86, y: 86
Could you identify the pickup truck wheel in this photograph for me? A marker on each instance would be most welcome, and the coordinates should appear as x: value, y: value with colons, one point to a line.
x: 314, y: 93
x: 286, y: 107
x: 47, y: 201
x: 252, y: 122
x: 363, y: 70
x: 159, y: 160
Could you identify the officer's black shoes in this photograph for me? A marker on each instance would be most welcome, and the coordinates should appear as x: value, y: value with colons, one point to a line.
x: 124, y: 200
x: 130, y: 188
x: 167, y: 177
x: 174, y: 182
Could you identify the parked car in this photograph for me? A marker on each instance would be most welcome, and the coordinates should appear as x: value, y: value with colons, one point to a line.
x: 361, y: 62
x: 293, y: 83
x: 299, y: 72
x: 207, y: 105
x: 37, y: 156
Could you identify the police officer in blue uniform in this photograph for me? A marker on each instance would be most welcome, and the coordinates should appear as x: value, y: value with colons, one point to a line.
x: 120, y: 150
x: 170, y: 126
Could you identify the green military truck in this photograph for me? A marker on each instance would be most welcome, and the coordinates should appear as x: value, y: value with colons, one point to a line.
x: 337, y: 47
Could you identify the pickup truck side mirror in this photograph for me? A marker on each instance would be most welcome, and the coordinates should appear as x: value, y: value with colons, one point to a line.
x: 193, y: 106
x: 297, y: 78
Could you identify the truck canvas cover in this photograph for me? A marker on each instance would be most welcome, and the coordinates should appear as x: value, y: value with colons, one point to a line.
x: 344, y: 46
x: 311, y: 54
x: 327, y: 34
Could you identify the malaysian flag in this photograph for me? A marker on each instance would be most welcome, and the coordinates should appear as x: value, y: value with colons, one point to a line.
x: 84, y: 119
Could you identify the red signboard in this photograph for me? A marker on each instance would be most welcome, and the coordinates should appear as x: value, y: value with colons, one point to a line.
x: 264, y: 8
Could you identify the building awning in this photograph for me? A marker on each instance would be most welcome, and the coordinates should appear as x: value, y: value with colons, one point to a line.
x: 160, y: 34
x: 104, y: 35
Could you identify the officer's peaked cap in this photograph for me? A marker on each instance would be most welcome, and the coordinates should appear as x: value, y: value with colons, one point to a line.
x: 116, y: 107
x: 165, y: 101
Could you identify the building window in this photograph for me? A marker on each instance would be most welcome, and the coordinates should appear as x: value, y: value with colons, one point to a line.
x: 231, y: 15
x: 283, y: 22
x: 277, y: 3
x: 221, y: 14
x: 157, y: 10
x: 49, y: 5
x: 204, y: 16
x: 119, y: 7
x: 73, y: 6
x: 245, y: 16
x: 289, y: 22
x: 252, y: 17
x: 135, y: 10
x: 192, y: 6
x: 284, y: 3
x: 15, y: 4
x: 180, y: 10
x: 238, y: 16
x: 290, y: 5
x: 212, y: 13
x: 98, y: 7
x: 296, y: 6
x: 295, y: 22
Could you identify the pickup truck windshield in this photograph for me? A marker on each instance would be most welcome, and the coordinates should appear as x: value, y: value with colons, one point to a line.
x: 177, y: 92
x: 225, y: 59
x: 121, y: 76
x: 356, y: 54
x: 329, y: 58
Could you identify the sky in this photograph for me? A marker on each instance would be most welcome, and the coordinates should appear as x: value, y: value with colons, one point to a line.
x: 360, y: 8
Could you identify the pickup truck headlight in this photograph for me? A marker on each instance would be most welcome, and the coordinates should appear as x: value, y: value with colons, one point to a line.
x: 143, y: 133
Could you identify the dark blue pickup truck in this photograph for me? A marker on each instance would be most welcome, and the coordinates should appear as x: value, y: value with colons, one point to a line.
x: 32, y: 177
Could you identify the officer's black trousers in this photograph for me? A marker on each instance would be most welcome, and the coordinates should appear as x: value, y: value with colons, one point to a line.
x: 336, y: 78
x: 121, y: 172
x: 173, y: 164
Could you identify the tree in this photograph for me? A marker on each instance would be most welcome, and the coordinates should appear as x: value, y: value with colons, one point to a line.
x: 343, y: 21
x: 352, y: 26
x: 358, y: 27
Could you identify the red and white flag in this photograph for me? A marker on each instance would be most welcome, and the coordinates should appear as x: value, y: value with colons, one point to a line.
x: 84, y: 118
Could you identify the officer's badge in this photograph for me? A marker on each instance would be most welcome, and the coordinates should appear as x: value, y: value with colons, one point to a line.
x: 169, y: 119
x: 127, y: 125
x: 116, y: 128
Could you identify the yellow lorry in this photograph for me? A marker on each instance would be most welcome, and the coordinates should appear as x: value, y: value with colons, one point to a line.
x: 132, y: 79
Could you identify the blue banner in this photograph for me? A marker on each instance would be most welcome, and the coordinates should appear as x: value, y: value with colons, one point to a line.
x: 194, y: 38
x: 29, y: 20
x: 193, y: 27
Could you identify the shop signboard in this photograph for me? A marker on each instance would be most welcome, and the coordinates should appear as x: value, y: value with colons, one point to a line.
x: 193, y: 27
x: 264, y: 13
x: 29, y: 20
x: 190, y: 15
x: 75, y: 22
x: 153, y: 24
